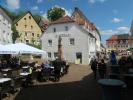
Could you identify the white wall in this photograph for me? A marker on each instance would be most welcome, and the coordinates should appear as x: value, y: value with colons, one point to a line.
x: 5, y: 30
x: 74, y: 31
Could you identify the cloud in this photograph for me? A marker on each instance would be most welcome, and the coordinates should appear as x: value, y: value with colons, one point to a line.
x: 35, y: 8
x: 41, y: 12
x: 39, y: 1
x: 91, y: 1
x: 94, y: 1
x: 123, y: 28
x: 119, y: 30
x: 116, y: 20
x: 115, y: 11
x: 13, y: 4
x: 45, y: 15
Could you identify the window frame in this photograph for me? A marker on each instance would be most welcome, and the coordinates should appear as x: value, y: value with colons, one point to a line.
x: 49, y: 44
x: 70, y: 40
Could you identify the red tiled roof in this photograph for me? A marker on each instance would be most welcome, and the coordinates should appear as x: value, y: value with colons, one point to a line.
x: 113, y: 37
x: 65, y: 19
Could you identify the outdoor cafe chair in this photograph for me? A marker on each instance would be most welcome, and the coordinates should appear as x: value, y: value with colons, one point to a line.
x: 17, y: 83
x: 5, y: 88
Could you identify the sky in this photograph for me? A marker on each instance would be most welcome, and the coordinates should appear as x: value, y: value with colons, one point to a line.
x: 109, y: 16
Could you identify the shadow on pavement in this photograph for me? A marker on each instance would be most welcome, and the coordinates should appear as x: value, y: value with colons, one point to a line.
x: 86, y: 89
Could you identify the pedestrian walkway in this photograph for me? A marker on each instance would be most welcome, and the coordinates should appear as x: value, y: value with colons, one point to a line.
x: 78, y: 84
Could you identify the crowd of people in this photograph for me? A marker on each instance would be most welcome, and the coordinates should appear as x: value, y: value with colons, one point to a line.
x: 99, y: 66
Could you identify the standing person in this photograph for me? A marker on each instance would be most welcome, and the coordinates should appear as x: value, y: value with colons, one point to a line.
x: 113, y: 60
x: 57, y: 68
x: 94, y: 67
x: 102, y: 69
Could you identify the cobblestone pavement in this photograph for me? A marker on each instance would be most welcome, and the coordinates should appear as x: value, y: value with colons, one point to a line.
x: 78, y: 84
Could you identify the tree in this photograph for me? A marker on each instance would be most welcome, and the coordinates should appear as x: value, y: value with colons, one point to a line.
x: 15, y: 34
x: 55, y: 13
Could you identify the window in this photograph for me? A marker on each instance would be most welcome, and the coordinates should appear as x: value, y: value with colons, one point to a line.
x: 29, y: 17
x: 31, y: 27
x: 37, y: 35
x: 25, y: 34
x: 54, y: 29
x: 25, y: 26
x: 33, y: 34
x: 55, y: 54
x: 49, y: 42
x: 24, y: 18
x: 27, y: 41
x: 17, y: 24
x: 49, y: 54
x: 66, y: 28
x: 4, y: 31
x: 72, y: 41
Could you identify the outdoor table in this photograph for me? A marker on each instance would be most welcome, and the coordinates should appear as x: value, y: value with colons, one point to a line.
x: 2, y: 80
x: 6, y: 70
x: 24, y: 74
x: 130, y: 70
x: 128, y: 78
x: 25, y: 67
x: 112, y: 89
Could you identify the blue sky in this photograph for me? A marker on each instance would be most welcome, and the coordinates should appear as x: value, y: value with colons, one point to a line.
x: 110, y: 16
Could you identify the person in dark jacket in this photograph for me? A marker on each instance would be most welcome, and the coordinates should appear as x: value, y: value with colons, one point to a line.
x: 102, y: 69
x: 57, y: 68
x: 94, y: 67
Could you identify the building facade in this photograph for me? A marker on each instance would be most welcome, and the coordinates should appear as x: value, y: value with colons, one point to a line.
x: 119, y: 43
x: 28, y: 29
x: 78, y: 42
x: 5, y: 28
x: 81, y: 19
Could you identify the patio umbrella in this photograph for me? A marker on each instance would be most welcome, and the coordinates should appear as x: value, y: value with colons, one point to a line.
x: 21, y: 48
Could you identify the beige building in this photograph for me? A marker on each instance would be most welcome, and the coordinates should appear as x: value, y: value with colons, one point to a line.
x: 28, y: 29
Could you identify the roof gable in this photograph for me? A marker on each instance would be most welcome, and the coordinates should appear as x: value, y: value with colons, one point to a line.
x: 2, y: 10
x: 65, y: 19
x: 24, y: 16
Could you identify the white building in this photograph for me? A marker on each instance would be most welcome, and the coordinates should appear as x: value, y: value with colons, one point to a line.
x: 78, y: 41
x: 5, y: 28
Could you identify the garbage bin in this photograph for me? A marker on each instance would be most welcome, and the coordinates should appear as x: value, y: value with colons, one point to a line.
x: 111, y: 88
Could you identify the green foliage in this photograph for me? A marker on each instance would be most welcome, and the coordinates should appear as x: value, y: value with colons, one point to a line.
x: 15, y: 33
x: 37, y: 17
x: 36, y: 46
x: 55, y: 13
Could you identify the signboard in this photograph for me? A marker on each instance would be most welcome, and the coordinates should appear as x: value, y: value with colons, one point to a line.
x: 62, y: 35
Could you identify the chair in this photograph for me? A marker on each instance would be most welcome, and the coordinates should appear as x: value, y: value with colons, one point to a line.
x: 17, y: 83
x: 34, y: 76
x: 5, y: 88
